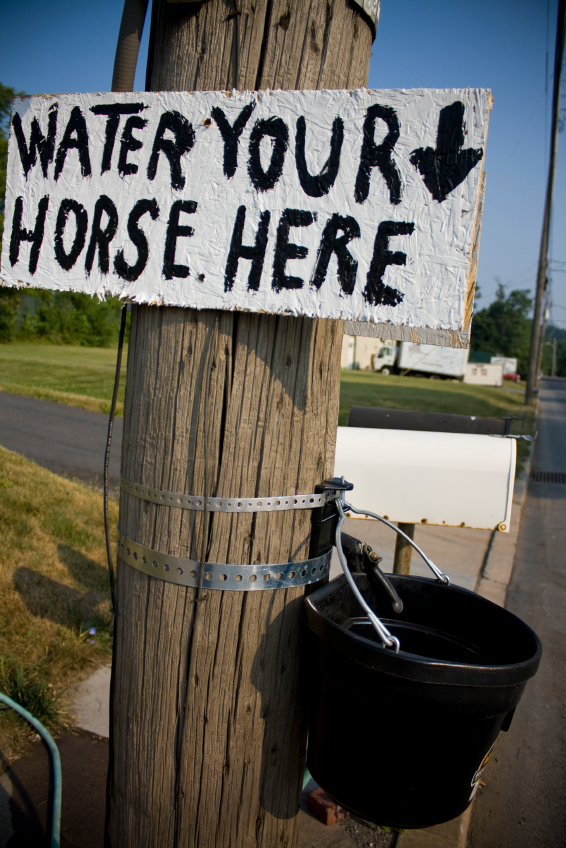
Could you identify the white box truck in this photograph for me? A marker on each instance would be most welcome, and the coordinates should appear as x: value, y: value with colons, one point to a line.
x: 430, y: 360
x: 484, y: 374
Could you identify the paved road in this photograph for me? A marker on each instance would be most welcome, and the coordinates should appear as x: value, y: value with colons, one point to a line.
x: 65, y: 439
x: 524, y: 800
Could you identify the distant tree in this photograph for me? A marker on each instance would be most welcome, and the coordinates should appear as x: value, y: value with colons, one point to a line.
x: 39, y: 315
x: 9, y: 298
x: 7, y: 94
x: 560, y: 359
x: 68, y: 318
x: 554, y: 332
x: 504, y: 327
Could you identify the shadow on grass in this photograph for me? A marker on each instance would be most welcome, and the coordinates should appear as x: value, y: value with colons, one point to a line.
x: 84, y: 570
x: 47, y: 598
x: 74, y: 608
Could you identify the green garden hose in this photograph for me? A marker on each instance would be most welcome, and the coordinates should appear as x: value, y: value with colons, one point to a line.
x: 56, y: 762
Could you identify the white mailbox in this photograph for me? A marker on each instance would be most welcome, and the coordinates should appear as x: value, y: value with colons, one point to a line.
x: 452, y: 479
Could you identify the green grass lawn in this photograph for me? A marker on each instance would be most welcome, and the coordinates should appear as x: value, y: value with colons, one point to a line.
x: 363, y: 388
x: 53, y: 590
x: 78, y: 376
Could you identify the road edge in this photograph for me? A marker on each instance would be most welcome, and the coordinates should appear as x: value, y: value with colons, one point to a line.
x: 497, y: 569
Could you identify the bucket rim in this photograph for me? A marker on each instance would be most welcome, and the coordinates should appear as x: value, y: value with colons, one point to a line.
x: 413, y: 666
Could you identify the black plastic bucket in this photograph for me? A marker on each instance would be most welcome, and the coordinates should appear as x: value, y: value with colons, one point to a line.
x: 402, y: 739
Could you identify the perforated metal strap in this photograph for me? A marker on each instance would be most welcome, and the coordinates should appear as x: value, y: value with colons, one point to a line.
x: 269, y: 504
x: 234, y: 578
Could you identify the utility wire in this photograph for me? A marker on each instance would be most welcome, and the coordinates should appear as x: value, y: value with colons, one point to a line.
x: 107, y: 457
x: 110, y: 774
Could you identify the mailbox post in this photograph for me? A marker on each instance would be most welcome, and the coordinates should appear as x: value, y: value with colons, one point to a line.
x: 403, y: 550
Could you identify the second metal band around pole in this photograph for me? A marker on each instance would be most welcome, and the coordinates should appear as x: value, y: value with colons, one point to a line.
x: 234, y: 578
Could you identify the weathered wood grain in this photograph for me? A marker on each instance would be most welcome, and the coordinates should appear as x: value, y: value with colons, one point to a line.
x: 257, y: 44
x: 208, y: 719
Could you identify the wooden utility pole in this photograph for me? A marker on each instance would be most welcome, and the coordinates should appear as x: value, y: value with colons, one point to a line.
x: 208, y: 732
x: 532, y: 375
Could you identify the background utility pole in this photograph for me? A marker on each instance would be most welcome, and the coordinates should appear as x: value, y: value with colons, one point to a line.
x: 551, y: 344
x: 544, y: 321
x: 532, y: 375
x: 208, y: 733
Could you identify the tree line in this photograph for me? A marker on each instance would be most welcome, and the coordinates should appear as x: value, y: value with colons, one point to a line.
x: 504, y: 328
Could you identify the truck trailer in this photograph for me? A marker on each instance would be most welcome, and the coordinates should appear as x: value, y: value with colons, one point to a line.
x: 429, y: 360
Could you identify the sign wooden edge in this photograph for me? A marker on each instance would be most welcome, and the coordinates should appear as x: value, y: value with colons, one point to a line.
x: 417, y: 335
x: 475, y: 246
x: 474, y: 254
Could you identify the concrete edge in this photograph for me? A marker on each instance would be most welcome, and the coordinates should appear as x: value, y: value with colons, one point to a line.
x: 522, y: 482
x: 90, y: 706
x: 497, y: 569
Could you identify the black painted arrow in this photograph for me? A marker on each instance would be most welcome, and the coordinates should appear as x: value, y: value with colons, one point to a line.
x: 446, y: 167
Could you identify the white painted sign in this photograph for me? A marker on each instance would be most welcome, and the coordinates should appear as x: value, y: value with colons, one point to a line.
x: 357, y: 205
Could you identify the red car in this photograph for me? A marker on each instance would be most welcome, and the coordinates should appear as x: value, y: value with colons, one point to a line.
x: 515, y: 377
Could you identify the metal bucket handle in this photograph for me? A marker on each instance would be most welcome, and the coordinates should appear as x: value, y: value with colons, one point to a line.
x: 387, y: 639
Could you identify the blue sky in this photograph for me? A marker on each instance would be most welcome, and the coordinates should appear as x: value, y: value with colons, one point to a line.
x: 504, y: 45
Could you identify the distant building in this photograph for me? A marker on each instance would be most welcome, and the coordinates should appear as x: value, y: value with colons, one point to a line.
x: 358, y: 351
